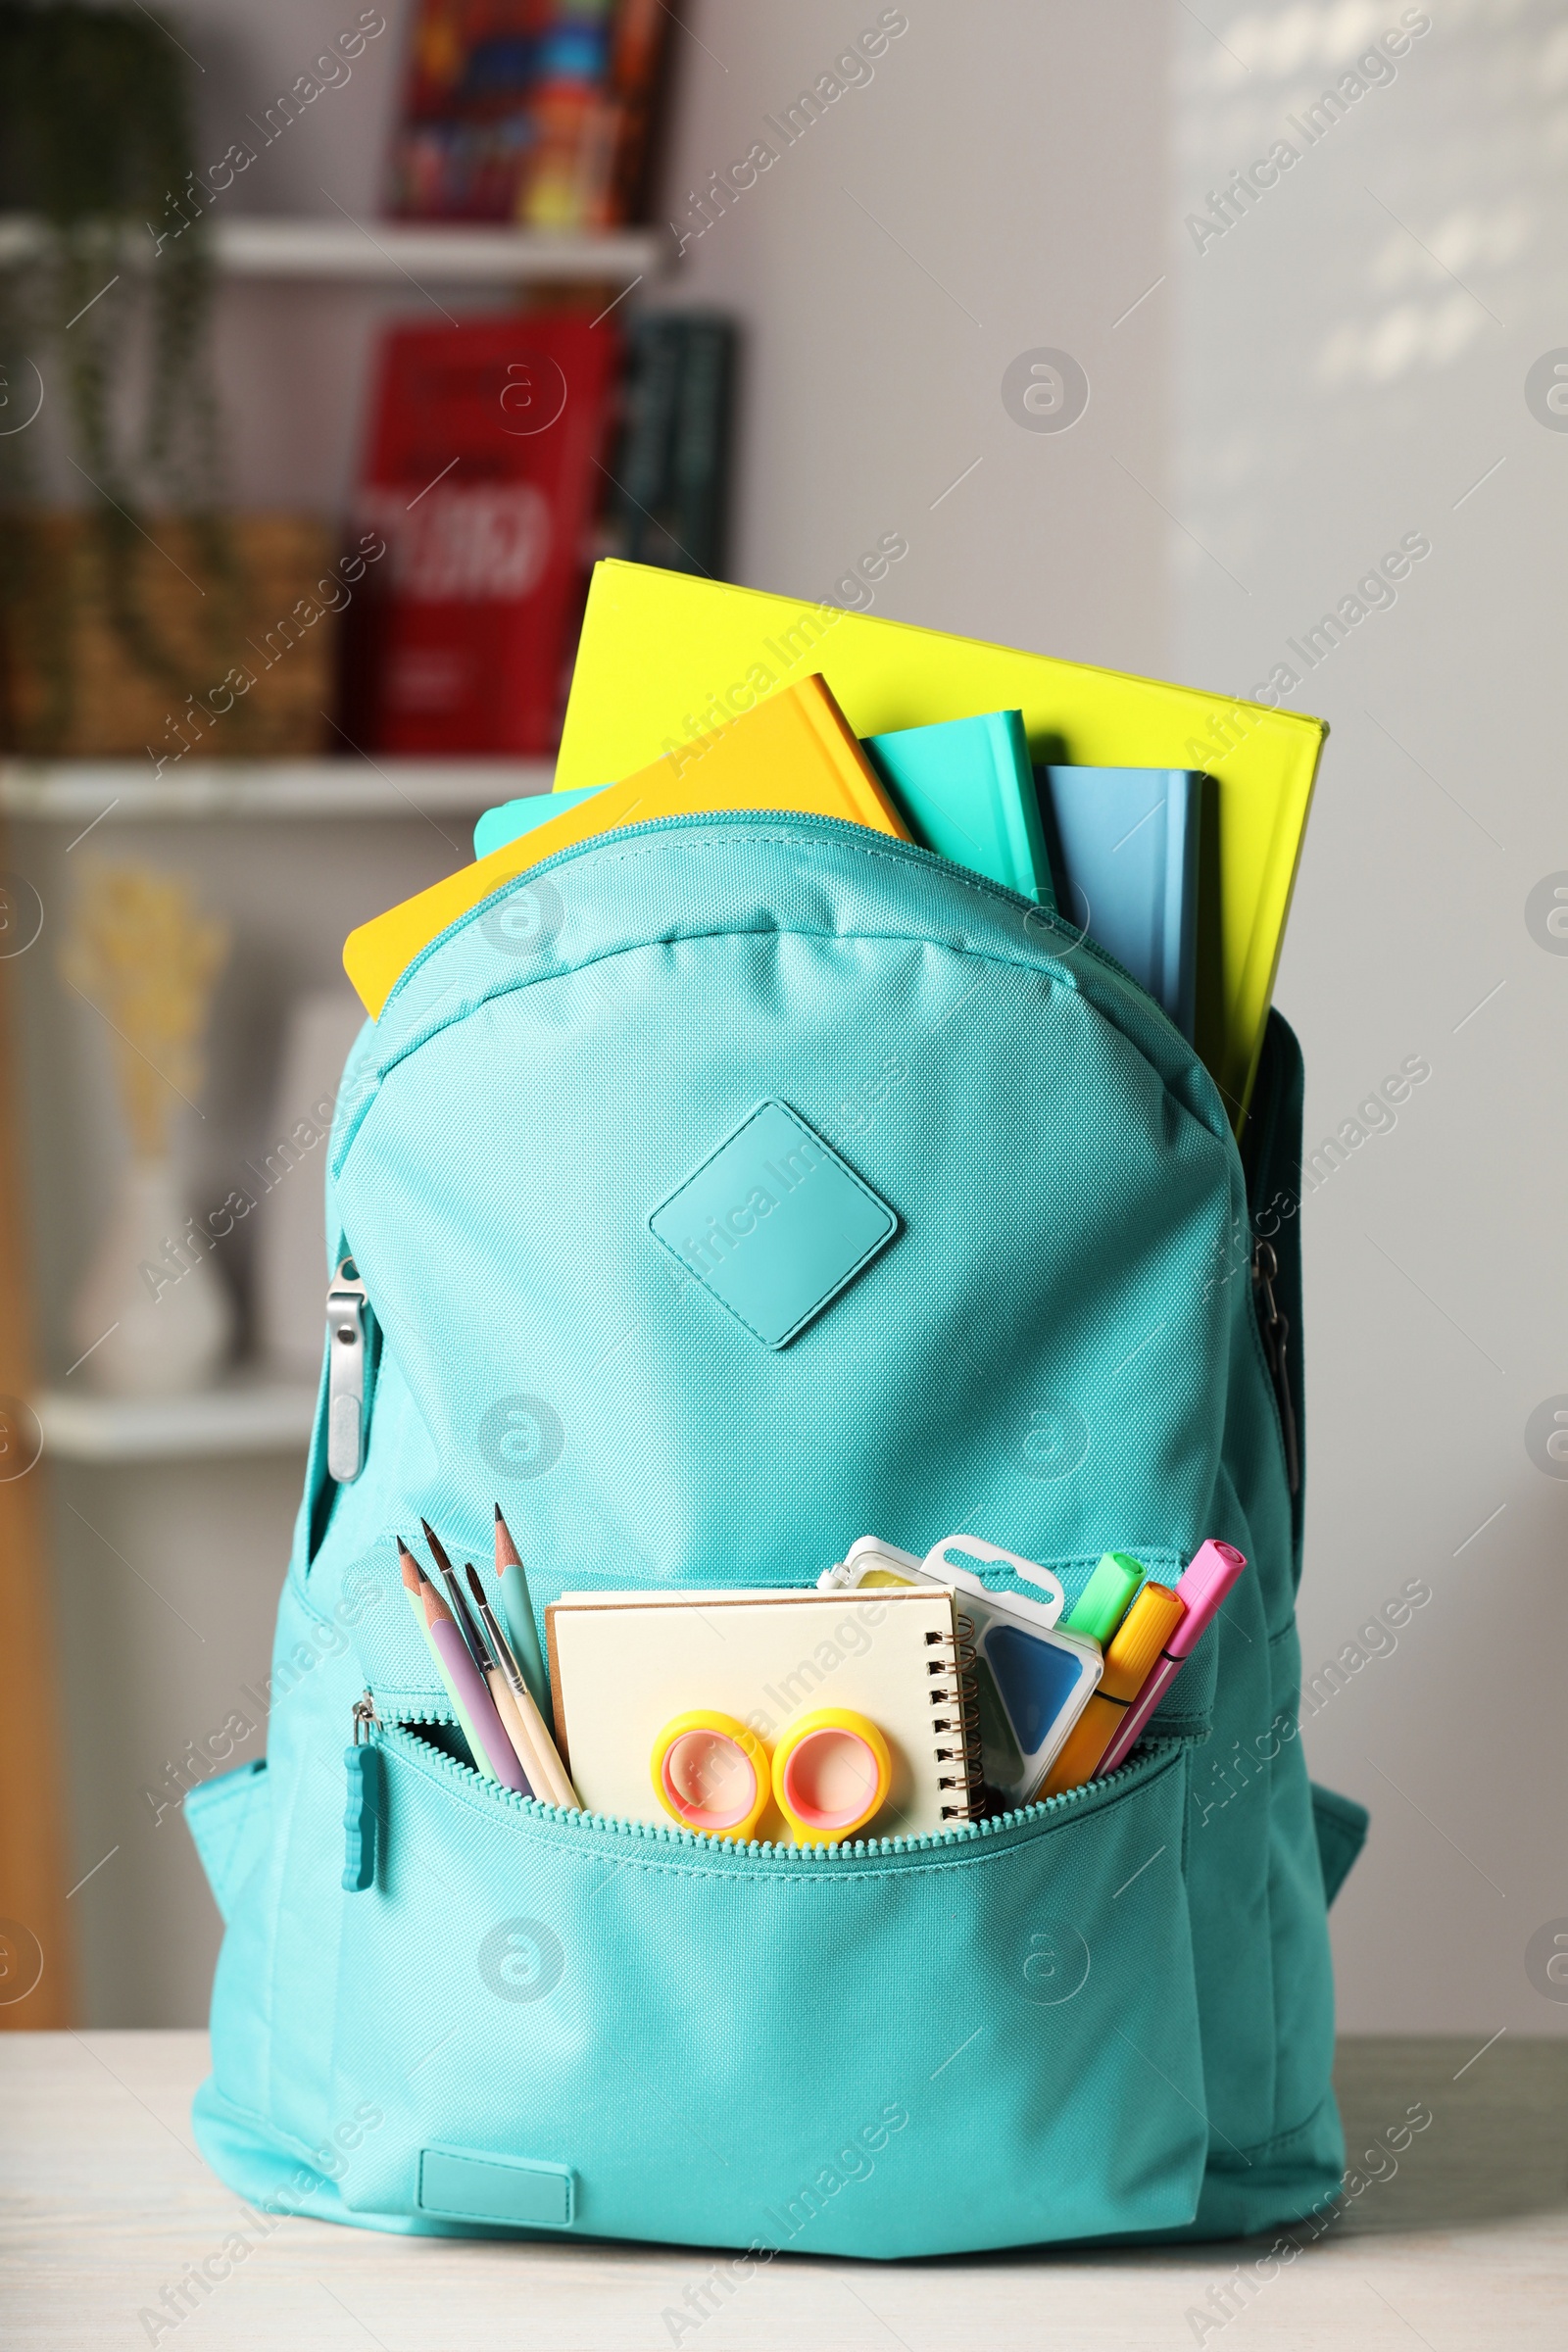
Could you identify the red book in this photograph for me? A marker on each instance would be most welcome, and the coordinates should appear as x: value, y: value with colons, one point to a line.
x: 482, y: 479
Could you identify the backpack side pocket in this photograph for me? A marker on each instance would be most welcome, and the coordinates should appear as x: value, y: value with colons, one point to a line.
x: 227, y: 1819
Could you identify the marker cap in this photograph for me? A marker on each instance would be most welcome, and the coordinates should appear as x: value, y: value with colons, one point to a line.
x: 1146, y: 1631
x: 1106, y: 1597
x: 1205, y: 1582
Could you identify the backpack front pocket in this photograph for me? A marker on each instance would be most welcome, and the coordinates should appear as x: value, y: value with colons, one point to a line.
x: 980, y: 2040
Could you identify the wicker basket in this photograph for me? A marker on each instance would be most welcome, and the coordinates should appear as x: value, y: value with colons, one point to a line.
x: 70, y: 686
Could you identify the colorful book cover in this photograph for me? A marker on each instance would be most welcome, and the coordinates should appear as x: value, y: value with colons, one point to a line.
x: 531, y: 111
x: 966, y: 790
x: 466, y: 125
x: 1123, y: 844
x: 663, y: 658
x: 794, y: 752
x: 483, y: 477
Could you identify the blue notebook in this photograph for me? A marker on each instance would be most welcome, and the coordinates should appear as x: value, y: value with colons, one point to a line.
x: 966, y: 789
x: 1123, y: 848
x: 513, y: 819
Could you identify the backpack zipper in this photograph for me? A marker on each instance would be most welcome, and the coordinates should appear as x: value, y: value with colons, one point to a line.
x: 1076, y: 941
x: 363, y: 1811
x: 1021, y: 1817
x: 1276, y: 1330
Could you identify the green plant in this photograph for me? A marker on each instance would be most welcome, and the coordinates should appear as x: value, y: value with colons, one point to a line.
x: 95, y: 137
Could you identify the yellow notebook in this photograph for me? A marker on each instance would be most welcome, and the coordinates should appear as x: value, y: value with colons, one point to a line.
x: 794, y: 752
x: 664, y: 655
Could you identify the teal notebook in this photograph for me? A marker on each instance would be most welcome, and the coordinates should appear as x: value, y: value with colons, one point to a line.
x: 1123, y: 847
x: 966, y: 789
x: 500, y: 826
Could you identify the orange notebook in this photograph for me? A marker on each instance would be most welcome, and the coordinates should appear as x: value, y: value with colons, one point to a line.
x: 794, y: 752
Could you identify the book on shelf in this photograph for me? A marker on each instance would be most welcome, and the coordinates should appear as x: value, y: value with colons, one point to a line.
x: 484, y: 478
x: 667, y: 504
x: 536, y: 112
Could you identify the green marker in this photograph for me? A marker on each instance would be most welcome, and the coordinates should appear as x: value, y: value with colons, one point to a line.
x: 1106, y: 1597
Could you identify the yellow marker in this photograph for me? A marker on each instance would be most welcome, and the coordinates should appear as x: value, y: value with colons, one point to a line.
x: 661, y: 650
x: 831, y: 1772
x: 1129, y: 1663
x: 710, y: 1774
x: 794, y: 752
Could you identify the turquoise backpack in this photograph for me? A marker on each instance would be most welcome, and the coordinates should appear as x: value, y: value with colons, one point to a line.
x: 1108, y: 2016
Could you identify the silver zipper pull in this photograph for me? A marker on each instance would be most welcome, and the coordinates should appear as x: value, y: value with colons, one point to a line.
x: 345, y: 1386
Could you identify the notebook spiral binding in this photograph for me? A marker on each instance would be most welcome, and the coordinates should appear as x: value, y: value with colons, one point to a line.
x: 956, y: 1721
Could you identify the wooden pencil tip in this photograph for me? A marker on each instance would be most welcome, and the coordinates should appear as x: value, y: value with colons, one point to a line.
x: 507, y: 1552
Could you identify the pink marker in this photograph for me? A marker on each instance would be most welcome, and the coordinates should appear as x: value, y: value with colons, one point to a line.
x: 1205, y: 1582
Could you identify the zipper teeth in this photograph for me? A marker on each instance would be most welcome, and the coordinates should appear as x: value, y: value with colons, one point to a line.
x: 796, y: 1856
x: 1077, y: 940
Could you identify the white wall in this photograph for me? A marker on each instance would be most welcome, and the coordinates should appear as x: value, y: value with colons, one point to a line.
x: 1351, y: 362
x: 999, y: 186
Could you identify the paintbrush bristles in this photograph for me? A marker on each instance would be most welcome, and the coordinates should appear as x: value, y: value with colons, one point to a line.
x: 481, y: 1629
x: 500, y: 1649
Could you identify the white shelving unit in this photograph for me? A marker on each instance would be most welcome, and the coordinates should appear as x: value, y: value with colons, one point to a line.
x: 81, y: 791
x: 248, y: 1412
x: 372, y: 252
x: 246, y: 1415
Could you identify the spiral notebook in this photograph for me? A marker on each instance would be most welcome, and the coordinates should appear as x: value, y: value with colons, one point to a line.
x: 623, y: 1664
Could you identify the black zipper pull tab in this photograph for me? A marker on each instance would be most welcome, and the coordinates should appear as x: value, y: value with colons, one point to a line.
x: 1276, y: 1331
x: 363, y: 1812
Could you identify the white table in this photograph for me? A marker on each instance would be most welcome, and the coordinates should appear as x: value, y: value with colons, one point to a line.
x: 104, y: 2201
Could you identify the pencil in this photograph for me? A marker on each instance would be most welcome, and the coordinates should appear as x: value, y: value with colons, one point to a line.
x: 412, y: 1575
x: 493, y: 1753
x: 537, y: 1753
x: 459, y: 1677
x: 416, y: 1584
x: 456, y: 1599
x: 497, y: 1685
x: 516, y: 1615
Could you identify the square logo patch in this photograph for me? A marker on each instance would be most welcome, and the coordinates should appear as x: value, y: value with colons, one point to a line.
x: 774, y: 1224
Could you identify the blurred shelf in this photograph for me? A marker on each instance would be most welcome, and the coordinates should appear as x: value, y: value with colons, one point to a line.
x: 252, y: 1414
x: 383, y: 251
x: 81, y: 791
